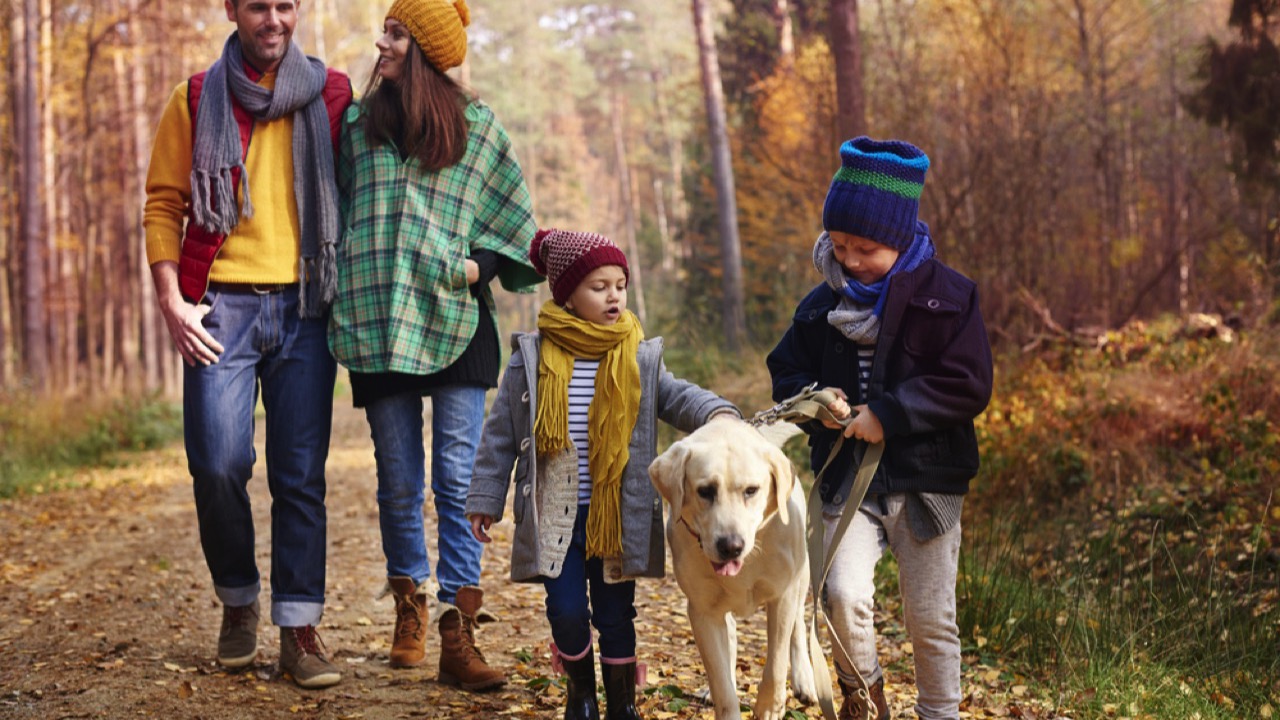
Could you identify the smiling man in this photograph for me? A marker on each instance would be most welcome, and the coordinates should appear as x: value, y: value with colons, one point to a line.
x: 241, y: 224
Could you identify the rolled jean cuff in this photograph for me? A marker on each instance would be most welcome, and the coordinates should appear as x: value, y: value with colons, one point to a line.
x: 291, y: 613
x: 237, y: 597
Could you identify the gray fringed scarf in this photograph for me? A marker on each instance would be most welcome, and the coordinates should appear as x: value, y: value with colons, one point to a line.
x: 856, y: 322
x: 928, y: 514
x: 299, y: 88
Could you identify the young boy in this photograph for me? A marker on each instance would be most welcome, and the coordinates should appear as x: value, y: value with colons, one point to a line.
x: 897, y: 335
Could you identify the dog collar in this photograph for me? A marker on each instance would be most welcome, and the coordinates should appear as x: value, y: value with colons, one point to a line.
x: 689, y: 527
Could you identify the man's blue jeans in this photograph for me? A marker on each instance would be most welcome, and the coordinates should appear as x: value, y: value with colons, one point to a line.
x: 268, y: 348
x: 611, y: 609
x: 395, y: 424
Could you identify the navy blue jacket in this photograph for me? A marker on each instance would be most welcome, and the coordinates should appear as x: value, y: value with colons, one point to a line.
x: 931, y: 376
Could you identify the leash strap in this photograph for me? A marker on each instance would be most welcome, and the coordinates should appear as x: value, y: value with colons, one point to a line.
x: 818, y: 573
x: 809, y: 405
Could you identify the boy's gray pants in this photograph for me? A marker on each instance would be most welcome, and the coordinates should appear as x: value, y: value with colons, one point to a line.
x: 927, y: 580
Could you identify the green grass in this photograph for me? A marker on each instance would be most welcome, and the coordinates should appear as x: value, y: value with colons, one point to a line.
x: 44, y: 440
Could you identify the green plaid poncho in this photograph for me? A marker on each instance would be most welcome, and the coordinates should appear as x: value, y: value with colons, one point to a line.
x: 403, y: 304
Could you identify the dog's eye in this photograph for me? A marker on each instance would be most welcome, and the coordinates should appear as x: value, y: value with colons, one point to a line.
x: 707, y: 492
x: 751, y: 491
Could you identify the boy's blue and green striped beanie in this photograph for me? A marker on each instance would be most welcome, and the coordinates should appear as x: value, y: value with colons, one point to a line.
x: 876, y: 192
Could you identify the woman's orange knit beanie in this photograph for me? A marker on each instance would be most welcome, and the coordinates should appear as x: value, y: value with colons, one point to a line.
x: 438, y: 26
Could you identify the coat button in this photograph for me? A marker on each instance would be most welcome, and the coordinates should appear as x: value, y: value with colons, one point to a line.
x: 837, y: 499
x: 813, y: 314
x: 525, y: 397
x: 933, y: 304
x: 839, y: 348
x: 524, y: 444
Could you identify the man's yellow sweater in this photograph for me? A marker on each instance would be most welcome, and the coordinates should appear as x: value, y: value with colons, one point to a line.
x: 261, y: 249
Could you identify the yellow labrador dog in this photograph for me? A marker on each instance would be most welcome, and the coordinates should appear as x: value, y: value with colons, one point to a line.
x: 737, y: 536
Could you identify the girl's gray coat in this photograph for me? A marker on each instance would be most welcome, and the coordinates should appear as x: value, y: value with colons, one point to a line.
x: 547, y: 487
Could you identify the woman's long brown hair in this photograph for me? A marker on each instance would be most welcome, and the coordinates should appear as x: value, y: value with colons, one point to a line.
x: 422, y: 113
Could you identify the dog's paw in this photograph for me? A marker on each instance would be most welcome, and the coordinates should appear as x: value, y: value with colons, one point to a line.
x: 777, y: 712
x: 803, y: 686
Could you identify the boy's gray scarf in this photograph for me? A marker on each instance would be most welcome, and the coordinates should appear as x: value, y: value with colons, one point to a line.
x: 854, y: 321
x: 299, y: 87
x: 928, y: 514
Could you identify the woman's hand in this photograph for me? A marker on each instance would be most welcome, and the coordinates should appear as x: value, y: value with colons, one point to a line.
x: 480, y: 525
x: 473, y: 271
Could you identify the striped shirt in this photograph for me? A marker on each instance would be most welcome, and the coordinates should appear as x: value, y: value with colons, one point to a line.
x: 582, y: 388
x: 865, y: 355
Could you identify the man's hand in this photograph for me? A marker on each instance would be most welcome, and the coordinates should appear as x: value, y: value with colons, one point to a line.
x: 184, y: 320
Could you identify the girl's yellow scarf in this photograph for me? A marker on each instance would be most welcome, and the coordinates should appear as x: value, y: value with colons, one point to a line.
x: 610, y: 419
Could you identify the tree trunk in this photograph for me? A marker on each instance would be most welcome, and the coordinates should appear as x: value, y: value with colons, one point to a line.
x: 152, y: 351
x: 56, y: 299
x: 126, y: 246
x: 786, y: 40
x: 679, y: 209
x: 734, y: 314
x: 636, y: 284
x: 6, y: 242
x: 35, y: 319
x: 846, y: 52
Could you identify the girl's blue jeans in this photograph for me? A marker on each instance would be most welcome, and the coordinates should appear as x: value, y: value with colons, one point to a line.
x: 396, y: 424
x: 580, y: 598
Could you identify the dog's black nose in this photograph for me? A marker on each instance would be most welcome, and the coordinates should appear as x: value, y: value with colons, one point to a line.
x: 730, y: 547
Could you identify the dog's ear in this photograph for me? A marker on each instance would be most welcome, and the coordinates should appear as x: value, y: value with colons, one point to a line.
x: 666, y: 472
x: 783, y: 479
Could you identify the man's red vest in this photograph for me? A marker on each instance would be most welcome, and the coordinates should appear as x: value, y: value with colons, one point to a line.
x: 199, y: 246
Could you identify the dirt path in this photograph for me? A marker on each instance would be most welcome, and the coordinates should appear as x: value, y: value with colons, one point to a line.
x: 106, y: 610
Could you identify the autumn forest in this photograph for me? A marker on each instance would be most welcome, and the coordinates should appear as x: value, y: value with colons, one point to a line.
x: 1092, y: 162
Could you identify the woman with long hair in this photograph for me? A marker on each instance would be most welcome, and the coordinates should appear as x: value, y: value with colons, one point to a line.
x: 434, y: 207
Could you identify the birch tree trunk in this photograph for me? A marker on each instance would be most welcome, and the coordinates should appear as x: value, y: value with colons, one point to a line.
x: 732, y: 305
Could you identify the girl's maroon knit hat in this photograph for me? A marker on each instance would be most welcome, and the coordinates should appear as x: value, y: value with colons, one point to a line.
x: 565, y: 257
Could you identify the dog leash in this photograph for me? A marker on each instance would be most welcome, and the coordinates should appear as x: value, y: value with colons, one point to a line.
x: 808, y: 405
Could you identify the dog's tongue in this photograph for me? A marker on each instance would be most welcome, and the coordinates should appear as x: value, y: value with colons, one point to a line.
x: 727, y: 569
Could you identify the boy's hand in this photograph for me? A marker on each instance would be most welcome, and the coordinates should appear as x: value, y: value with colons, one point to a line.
x: 838, y: 407
x: 865, y: 426
x: 480, y: 527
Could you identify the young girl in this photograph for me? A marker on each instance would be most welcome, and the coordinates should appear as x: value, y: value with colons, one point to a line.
x: 434, y: 206
x: 576, y: 414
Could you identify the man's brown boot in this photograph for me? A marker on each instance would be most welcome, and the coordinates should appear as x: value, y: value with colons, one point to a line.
x: 408, y: 643
x: 855, y: 708
x: 461, y: 663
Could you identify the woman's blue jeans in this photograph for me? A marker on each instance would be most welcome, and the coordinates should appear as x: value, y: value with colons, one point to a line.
x: 611, y: 607
x: 395, y: 423
x: 268, y: 348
